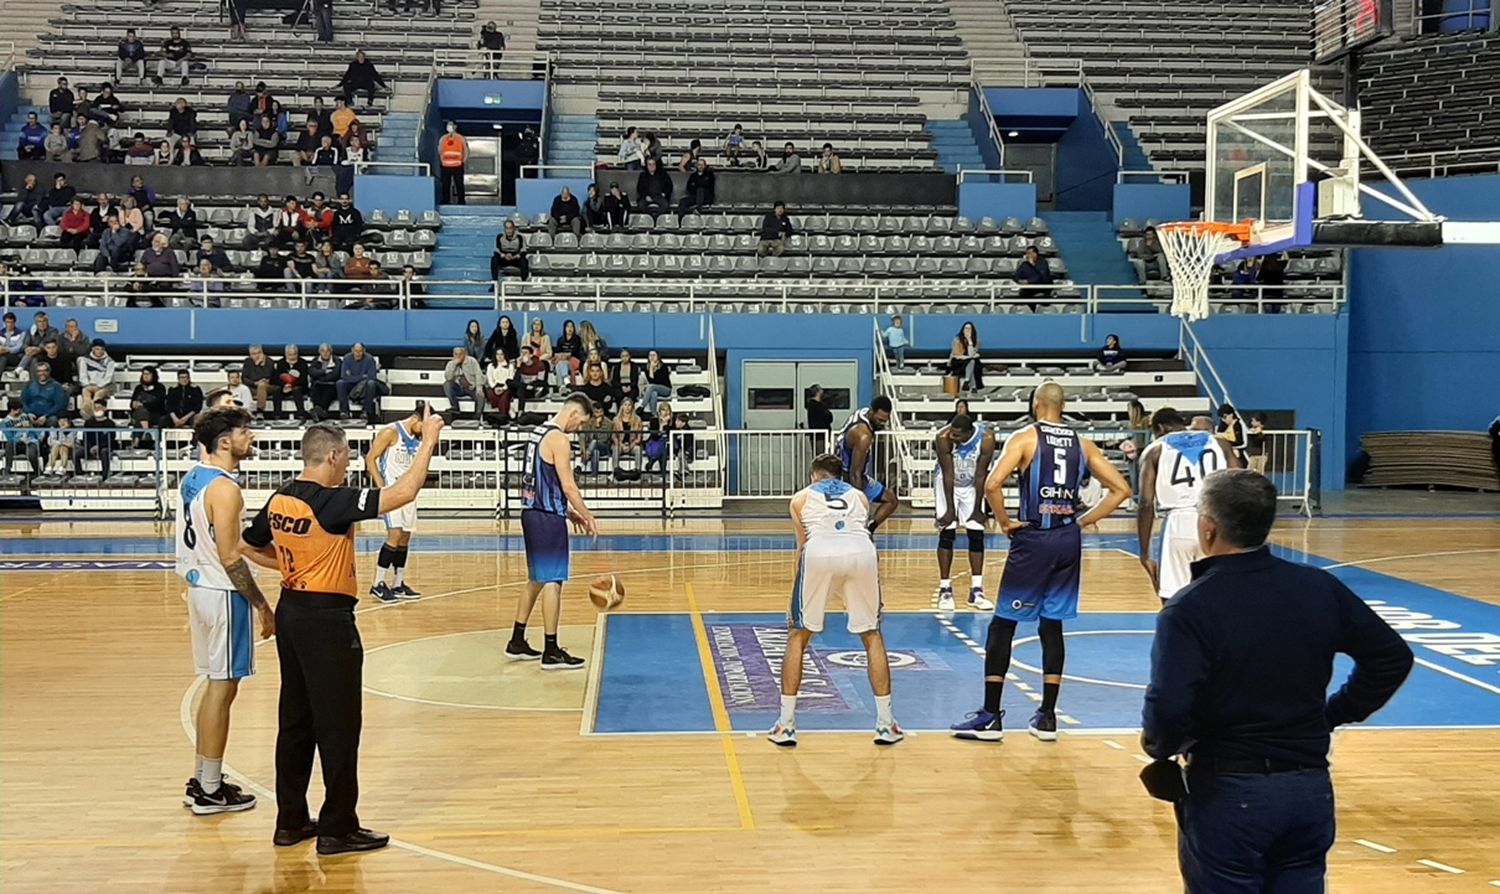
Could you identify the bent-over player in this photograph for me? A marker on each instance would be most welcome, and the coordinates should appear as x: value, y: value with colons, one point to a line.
x: 964, y: 451
x: 856, y: 450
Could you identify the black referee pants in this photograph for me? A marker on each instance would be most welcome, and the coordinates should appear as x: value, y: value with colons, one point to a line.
x: 322, y: 671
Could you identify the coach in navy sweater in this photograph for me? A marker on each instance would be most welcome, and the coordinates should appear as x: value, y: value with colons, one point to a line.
x: 1239, y: 675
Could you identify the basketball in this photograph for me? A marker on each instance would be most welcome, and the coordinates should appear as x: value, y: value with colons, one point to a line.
x: 606, y: 592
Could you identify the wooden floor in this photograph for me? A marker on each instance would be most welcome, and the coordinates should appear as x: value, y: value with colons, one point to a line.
x: 95, y: 700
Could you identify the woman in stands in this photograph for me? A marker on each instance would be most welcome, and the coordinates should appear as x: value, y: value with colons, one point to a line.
x: 632, y: 152
x: 242, y: 144
x: 266, y: 143
x: 592, y: 341
x: 567, y: 355
x: 163, y: 154
x: 325, y: 266
x: 148, y: 407
x: 499, y: 385
x: 503, y: 340
x: 540, y: 342
x: 961, y: 408
x: 77, y: 224
x: 658, y: 384
x: 963, y: 359
x: 626, y: 376
x: 474, y: 341
x: 1111, y: 357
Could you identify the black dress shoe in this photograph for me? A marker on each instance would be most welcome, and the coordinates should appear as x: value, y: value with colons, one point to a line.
x: 289, y: 837
x: 358, y: 840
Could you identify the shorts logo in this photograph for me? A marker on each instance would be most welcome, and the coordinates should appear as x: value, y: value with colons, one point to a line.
x: 1017, y: 604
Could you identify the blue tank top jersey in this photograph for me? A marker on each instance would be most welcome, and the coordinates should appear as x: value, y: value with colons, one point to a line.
x: 1050, y: 486
x: 541, y: 489
x: 846, y: 452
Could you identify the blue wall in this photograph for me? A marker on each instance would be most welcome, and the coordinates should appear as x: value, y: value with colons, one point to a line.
x: 1424, y: 330
x: 977, y: 199
x: 393, y: 192
x: 491, y: 100
x: 10, y: 97
x: 1086, y: 163
x: 1145, y: 201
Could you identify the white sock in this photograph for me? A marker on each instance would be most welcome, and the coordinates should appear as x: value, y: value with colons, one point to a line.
x: 212, y: 774
x: 976, y: 581
x: 198, y: 767
x: 380, y: 574
x: 883, y: 709
x: 400, y: 576
x: 945, y: 584
x: 788, y: 710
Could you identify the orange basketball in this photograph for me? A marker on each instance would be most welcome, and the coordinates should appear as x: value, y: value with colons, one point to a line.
x: 606, y: 592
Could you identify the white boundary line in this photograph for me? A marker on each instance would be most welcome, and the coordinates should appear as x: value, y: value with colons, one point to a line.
x: 1364, y: 842
x: 1442, y: 867
x: 1028, y: 640
x: 596, y: 672
x: 1378, y: 559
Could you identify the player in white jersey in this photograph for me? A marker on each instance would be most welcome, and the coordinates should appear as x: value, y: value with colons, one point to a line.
x: 221, y: 594
x: 1172, y: 470
x: 834, y: 554
x: 388, y: 458
x: 965, y: 452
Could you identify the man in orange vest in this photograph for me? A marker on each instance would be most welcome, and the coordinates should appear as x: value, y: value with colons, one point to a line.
x: 453, y: 151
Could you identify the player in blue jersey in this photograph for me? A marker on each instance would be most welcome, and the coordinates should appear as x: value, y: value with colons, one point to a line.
x: 856, y: 449
x: 1040, y: 581
x: 552, y: 499
x: 965, y: 451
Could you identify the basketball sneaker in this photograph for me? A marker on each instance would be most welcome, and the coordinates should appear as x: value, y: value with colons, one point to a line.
x: 384, y: 593
x: 403, y: 591
x: 559, y: 659
x: 520, y: 650
x: 227, y: 799
x: 195, y: 788
x: 945, y: 599
x: 889, y: 733
x: 1043, y: 725
x: 783, y: 735
x: 977, y: 601
x: 982, y: 726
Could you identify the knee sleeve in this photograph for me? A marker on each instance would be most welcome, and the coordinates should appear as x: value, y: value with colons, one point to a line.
x: 387, y: 556
x: 997, y: 647
x: 1053, y: 649
x: 947, y: 538
x: 398, y: 557
x: 976, y: 541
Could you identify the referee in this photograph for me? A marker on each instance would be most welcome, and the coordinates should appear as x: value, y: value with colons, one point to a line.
x: 1239, y: 680
x: 306, y: 531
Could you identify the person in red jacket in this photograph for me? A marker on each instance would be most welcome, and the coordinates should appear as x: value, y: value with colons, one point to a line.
x: 77, y: 224
x: 453, y: 152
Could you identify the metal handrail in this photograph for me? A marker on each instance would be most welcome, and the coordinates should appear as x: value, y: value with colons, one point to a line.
x: 1196, y: 357
x: 1041, y: 73
x: 426, y: 169
x: 7, y: 55
x: 989, y: 119
x: 1002, y: 173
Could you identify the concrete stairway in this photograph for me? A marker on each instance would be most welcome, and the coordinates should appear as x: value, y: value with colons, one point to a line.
x: 516, y: 18
x: 987, y: 35
x: 1088, y: 242
x: 571, y: 138
x: 465, y: 245
x: 398, y: 137
x: 954, y: 142
x: 1135, y: 157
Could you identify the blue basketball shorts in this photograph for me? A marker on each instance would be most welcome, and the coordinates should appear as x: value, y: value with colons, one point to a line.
x: 546, y: 537
x: 874, y: 490
x: 1041, y: 575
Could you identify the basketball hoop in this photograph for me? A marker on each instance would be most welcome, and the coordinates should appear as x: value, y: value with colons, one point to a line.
x: 1191, y: 248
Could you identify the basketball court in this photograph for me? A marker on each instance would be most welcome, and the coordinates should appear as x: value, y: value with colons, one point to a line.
x: 649, y: 772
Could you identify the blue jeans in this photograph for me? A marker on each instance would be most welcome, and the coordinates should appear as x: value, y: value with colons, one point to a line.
x: 898, y: 355
x: 1256, y: 834
x: 650, y: 395
x: 454, y: 391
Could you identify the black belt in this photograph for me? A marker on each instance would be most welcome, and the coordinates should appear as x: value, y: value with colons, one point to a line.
x: 1244, y: 766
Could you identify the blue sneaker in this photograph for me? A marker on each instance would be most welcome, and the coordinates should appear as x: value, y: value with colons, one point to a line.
x: 384, y: 593
x: 1043, y: 725
x: 982, y: 726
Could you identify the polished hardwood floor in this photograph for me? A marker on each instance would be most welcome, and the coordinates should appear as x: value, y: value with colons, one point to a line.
x: 95, y: 701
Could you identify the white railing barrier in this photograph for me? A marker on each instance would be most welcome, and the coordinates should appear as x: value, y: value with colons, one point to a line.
x: 1171, y: 176
x: 542, y: 171
x: 1004, y: 174
x: 421, y: 168
x: 1192, y: 352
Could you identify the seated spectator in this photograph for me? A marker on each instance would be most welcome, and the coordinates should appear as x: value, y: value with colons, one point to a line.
x: 667, y: 441
x: 261, y: 230
x: 359, y: 263
x: 567, y: 355
x: 292, y: 376
x: 29, y: 205
x: 651, y: 146
x: 734, y: 145
x: 629, y: 434
x: 266, y: 142
x: 896, y: 340
x: 182, y: 121
x: 64, y: 442
x: 501, y: 385
x: 33, y: 344
x: 355, y: 154
x: 341, y: 118
x: 237, y: 390
x: 328, y: 154
x: 616, y: 207
x: 131, y: 217
x: 305, y: 150
x: 108, y: 109
x: 474, y: 341
x: 565, y: 213
x: 626, y: 377
x: 19, y: 439
x: 461, y: 378
x: 319, y: 219
x: 63, y: 372
x: 140, y: 291
x: 205, y: 289
x: 104, y: 208
x: 77, y: 226
x: 242, y: 144
x: 532, y: 374
x: 43, y: 399
x: 775, y: 229
x: 208, y: 251
x: 162, y: 157
x: 141, y: 151
x: 598, y: 438
x: 241, y: 105
x: 93, y: 143
x: 411, y: 287
x: 32, y: 146
x: 1111, y: 357
x: 301, y: 263
x: 257, y: 371
x: 96, y: 441
x: 359, y: 379
x: 161, y: 261
x: 653, y: 188
x: 291, y: 223
x: 699, y: 193
x: 59, y: 200
x: 60, y: 104
x: 593, y: 209
x: 184, y: 401
x: 75, y: 345
x: 321, y: 114
x: 510, y: 254
x: 270, y: 271
x: 632, y: 153
x: 25, y: 291
x: 964, y: 363
x: 791, y: 162
x: 503, y: 339
x: 591, y: 342
x: 148, y: 407
x: 361, y: 75
x: 11, y: 339
x: 598, y: 388
x: 175, y: 53
x: 130, y: 53
x: 1035, y: 271
x: 829, y: 162
x: 378, y: 288
x: 182, y: 222
x: 326, y: 265
x: 1153, y: 260
x: 690, y: 158
x: 657, y: 384
x: 323, y: 377
x: 347, y: 224
x: 759, y: 160
x: 55, y: 145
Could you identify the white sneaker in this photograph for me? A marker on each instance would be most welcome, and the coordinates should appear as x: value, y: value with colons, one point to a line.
x: 945, y: 599
x: 785, y: 736
x: 977, y: 601
x: 888, y: 733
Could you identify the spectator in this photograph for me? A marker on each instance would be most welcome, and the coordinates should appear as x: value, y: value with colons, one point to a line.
x: 359, y: 379
x: 775, y: 229
x: 591, y: 341
x: 598, y: 389
x: 474, y: 341
x: 291, y: 223
x: 667, y: 440
x: 19, y: 439
x: 347, y: 224
x: 73, y: 342
x: 651, y: 146
x: 653, y: 188
x: 598, y: 437
x: 1273, y: 274
x: 355, y: 155
x: 361, y: 75
x: 238, y: 394
x: 1034, y: 271
x: 266, y: 142
x: 60, y: 104
x: 501, y: 384
x: 791, y: 162
x: 43, y: 399
x: 341, y: 118
x: 657, y: 383
x: 1111, y: 357
x: 565, y: 214
x: 186, y: 154
x: 140, y: 151
x: 540, y: 341
x: 182, y: 121
x: 819, y: 417
x: 453, y: 154
x: 963, y: 359
x: 241, y: 106
x: 510, y: 254
x: 323, y: 377
x: 690, y: 158
x: 328, y: 154
x: 107, y: 109
x: 292, y: 376
x: 76, y: 227
x: 105, y: 207
x: 130, y: 53
x: 208, y: 251
x: 502, y: 338
x: 93, y: 143
x: 261, y: 229
x: 64, y: 443
x: 184, y: 401
x: 160, y: 260
x: 626, y: 377
x: 1153, y: 260
x: 321, y: 114
x: 33, y: 143
x: 63, y: 372
x: 257, y: 371
x: 734, y: 145
x: 148, y: 406
x: 182, y: 221
x: 207, y: 286
x: 11, y: 339
x: 137, y: 293
x: 759, y: 160
x: 300, y: 263
x: 629, y: 434
x: 461, y: 378
x: 55, y: 145
x: 29, y: 204
x: 325, y: 265
x: 567, y: 355
x: 699, y: 193
x: 829, y: 162
x: 528, y: 149
x: 896, y: 340
x: 492, y: 41
x: 162, y: 157
x: 175, y: 53
x: 632, y: 152
x: 359, y: 264
x: 306, y: 147
x: 95, y: 442
x: 242, y: 145
x: 131, y: 216
x: 616, y: 207
x: 35, y: 340
x: 96, y: 375
x: 593, y: 209
x: 531, y: 374
x: 59, y: 199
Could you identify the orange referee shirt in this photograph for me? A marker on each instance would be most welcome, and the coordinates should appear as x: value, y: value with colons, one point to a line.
x: 313, y: 529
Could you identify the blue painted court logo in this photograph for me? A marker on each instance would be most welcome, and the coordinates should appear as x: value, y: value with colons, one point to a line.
x: 747, y: 658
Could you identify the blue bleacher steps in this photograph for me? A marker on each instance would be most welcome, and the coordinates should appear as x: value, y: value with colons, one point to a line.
x: 398, y: 136
x: 954, y: 143
x: 465, y: 244
x: 1135, y: 157
x: 1088, y: 243
x: 10, y: 135
x: 571, y: 139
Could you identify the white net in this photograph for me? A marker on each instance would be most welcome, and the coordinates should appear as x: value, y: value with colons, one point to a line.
x: 1191, y: 252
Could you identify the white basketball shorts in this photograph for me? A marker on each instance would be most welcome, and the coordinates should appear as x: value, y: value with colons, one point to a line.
x: 850, y: 570
x: 963, y: 500
x: 223, y: 633
x: 1179, y: 550
x: 404, y: 518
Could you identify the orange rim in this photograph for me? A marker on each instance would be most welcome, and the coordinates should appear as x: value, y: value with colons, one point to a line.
x: 1241, y: 231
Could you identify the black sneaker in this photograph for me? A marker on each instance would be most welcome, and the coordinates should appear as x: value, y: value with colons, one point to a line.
x: 1043, y: 725
x: 405, y: 592
x: 194, y: 788
x: 520, y: 650
x: 227, y: 799
x: 383, y: 593
x: 354, y: 842
x: 558, y: 659
x: 289, y: 837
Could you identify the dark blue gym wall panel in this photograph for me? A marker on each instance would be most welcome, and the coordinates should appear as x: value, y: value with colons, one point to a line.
x: 978, y: 199
x: 394, y: 192
x: 1086, y: 163
x: 1148, y: 201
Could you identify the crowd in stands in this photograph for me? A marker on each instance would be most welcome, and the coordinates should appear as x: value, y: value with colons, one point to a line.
x: 638, y: 149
